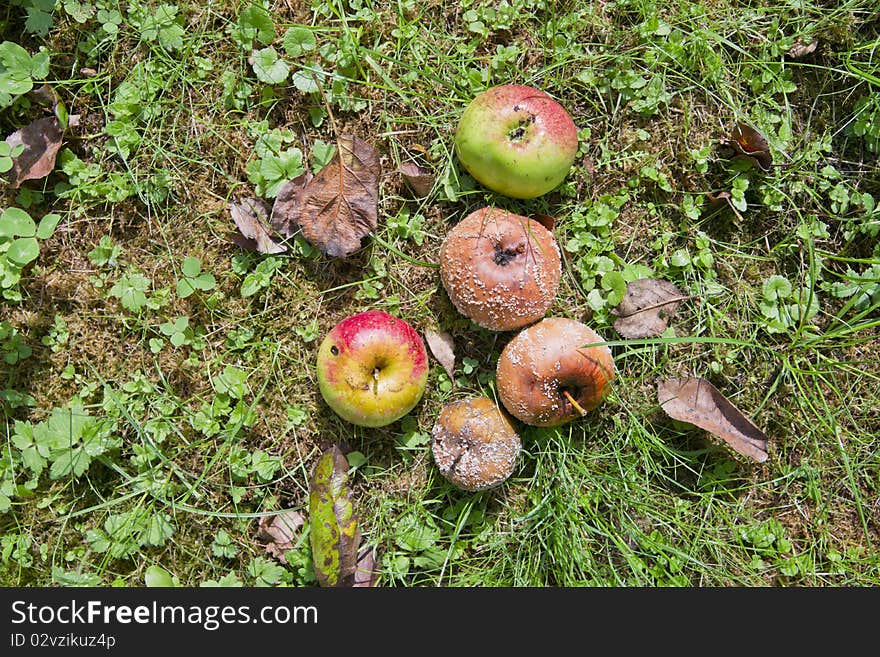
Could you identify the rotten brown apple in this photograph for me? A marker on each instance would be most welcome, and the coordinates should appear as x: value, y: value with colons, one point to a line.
x: 475, y: 444
x: 547, y: 376
x: 500, y: 269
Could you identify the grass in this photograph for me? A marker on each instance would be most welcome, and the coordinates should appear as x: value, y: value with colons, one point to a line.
x: 197, y: 429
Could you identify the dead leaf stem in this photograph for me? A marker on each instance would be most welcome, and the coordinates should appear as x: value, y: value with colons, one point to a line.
x: 326, y: 106
x: 660, y: 304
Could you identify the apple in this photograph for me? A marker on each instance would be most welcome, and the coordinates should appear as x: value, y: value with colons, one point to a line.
x: 516, y: 140
x: 547, y: 376
x: 499, y: 269
x: 372, y: 368
x: 475, y: 444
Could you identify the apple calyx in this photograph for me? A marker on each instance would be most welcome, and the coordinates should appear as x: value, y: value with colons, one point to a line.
x: 521, y: 128
x: 504, y: 257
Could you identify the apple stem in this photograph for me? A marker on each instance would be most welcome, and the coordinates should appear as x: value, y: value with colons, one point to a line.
x: 577, y: 406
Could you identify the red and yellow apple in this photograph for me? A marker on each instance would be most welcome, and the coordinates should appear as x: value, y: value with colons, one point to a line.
x: 372, y: 368
x: 516, y: 140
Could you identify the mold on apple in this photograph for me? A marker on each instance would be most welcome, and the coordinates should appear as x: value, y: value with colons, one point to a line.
x: 501, y: 270
x: 475, y: 444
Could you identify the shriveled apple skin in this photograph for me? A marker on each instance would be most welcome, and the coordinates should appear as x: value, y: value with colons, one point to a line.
x: 525, y: 167
x: 364, y: 344
x: 475, y: 444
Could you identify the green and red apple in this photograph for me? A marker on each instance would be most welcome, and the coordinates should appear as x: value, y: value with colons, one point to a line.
x: 372, y: 368
x: 516, y: 140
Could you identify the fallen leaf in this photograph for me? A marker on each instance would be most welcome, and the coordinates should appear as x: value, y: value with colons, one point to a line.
x: 720, y: 197
x: 251, y: 216
x: 716, y: 202
x: 647, y: 307
x: 546, y: 221
x: 41, y: 140
x: 280, y: 531
x: 697, y: 401
x: 287, y: 204
x: 46, y: 96
x: 336, y: 208
x: 442, y: 347
x: 367, y: 571
x: 421, y: 148
x: 750, y: 143
x: 801, y: 49
x: 420, y: 180
x: 333, y: 528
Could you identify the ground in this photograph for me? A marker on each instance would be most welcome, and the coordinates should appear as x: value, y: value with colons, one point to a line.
x: 193, y: 413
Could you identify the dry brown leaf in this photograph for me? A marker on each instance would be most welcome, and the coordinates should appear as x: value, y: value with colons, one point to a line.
x: 545, y: 220
x: 287, y: 204
x: 442, y: 347
x: 251, y: 216
x: 420, y: 180
x: 41, y: 140
x: 720, y: 197
x: 46, y: 96
x: 336, y: 208
x: 801, y: 49
x: 367, y: 572
x: 751, y: 144
x: 647, y: 307
x: 717, y: 202
x: 280, y: 532
x: 697, y: 401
